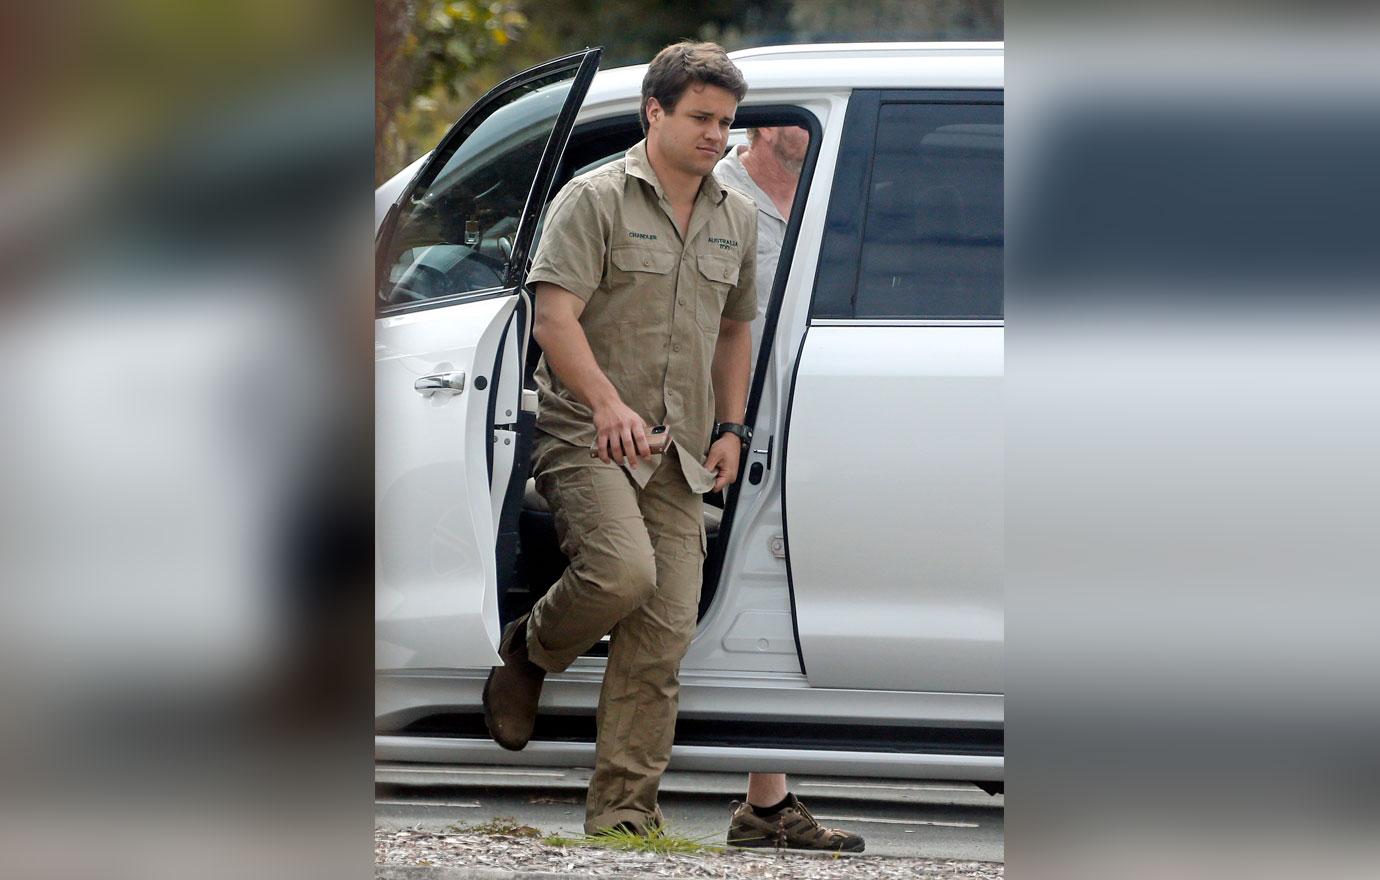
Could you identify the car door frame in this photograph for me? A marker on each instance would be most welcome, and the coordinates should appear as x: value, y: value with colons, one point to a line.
x: 542, y: 181
x: 717, y: 556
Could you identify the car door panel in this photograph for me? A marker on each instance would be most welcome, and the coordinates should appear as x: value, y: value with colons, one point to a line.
x: 894, y: 507
x: 432, y: 493
x: 451, y: 264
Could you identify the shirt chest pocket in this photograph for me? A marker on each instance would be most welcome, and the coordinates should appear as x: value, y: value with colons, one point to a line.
x: 717, y: 276
x: 641, y: 282
x: 641, y: 262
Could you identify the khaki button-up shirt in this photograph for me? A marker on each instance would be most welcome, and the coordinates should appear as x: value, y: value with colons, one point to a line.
x: 653, y: 300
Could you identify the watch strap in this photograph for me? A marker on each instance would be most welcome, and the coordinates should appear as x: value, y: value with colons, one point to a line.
x: 741, y: 431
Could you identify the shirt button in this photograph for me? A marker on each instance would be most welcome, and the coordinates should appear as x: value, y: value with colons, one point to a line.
x: 675, y: 348
x: 646, y: 262
x: 681, y: 300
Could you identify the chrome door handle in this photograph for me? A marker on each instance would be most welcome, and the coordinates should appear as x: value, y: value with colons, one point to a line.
x: 441, y: 382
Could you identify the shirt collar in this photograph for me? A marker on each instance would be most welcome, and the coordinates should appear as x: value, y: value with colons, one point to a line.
x: 731, y: 167
x: 638, y: 165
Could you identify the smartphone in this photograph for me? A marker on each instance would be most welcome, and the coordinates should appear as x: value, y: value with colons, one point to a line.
x: 658, y: 438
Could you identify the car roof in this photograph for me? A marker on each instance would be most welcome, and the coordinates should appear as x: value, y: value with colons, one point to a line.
x: 794, y: 71
x: 815, y: 51
x: 778, y: 70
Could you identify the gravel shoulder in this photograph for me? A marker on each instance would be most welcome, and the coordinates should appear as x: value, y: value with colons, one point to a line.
x: 417, y: 854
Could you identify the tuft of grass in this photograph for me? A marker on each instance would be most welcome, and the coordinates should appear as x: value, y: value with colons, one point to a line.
x: 498, y: 826
x: 654, y: 840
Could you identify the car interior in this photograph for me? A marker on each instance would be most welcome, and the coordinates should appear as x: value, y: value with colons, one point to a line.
x: 537, y: 561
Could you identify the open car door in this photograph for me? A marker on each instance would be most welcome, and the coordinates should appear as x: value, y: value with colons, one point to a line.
x: 449, y: 342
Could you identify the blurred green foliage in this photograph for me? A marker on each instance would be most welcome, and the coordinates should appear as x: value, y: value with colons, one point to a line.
x: 433, y: 59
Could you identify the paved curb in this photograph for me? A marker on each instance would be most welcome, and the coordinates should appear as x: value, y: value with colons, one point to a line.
x: 403, y: 778
x: 418, y: 872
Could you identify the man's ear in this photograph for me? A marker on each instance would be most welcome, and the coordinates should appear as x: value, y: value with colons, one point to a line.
x: 653, y: 105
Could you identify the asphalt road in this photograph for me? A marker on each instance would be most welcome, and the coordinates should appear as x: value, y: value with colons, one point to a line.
x: 944, y: 820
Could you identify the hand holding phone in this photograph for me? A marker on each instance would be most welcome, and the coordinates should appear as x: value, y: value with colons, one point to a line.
x: 658, y: 438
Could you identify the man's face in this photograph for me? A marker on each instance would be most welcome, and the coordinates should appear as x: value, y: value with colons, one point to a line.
x: 693, y: 137
x: 788, y: 144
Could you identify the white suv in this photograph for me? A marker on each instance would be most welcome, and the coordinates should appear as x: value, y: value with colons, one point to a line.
x: 851, y: 616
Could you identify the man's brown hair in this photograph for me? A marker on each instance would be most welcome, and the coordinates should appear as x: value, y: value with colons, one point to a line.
x: 680, y: 65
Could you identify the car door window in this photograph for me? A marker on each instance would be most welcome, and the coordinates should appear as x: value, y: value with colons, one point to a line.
x: 457, y: 225
x: 932, y: 238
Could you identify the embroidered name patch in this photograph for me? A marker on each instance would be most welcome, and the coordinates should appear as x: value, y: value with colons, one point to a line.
x: 643, y: 235
x: 726, y: 244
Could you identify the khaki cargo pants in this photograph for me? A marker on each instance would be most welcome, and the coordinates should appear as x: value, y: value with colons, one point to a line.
x: 636, y: 560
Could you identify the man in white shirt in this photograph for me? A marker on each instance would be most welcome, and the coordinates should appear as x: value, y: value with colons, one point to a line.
x: 767, y: 169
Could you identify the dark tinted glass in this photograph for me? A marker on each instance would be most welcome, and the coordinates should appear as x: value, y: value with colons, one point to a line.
x: 932, y: 241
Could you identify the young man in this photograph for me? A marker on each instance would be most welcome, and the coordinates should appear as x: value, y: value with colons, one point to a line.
x: 767, y: 170
x: 644, y: 283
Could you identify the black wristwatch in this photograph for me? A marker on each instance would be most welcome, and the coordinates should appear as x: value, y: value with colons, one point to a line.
x: 742, y: 432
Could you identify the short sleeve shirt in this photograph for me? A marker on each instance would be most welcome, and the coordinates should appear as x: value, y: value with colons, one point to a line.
x: 653, y: 300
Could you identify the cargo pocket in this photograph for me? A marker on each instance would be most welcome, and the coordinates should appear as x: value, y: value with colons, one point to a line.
x: 575, y: 508
x: 680, y: 574
x: 720, y: 274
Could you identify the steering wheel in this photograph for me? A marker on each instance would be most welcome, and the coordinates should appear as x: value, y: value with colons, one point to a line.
x: 476, y: 271
x: 429, y: 277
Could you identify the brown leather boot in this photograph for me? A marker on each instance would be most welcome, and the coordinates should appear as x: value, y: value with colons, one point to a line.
x: 513, y: 690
